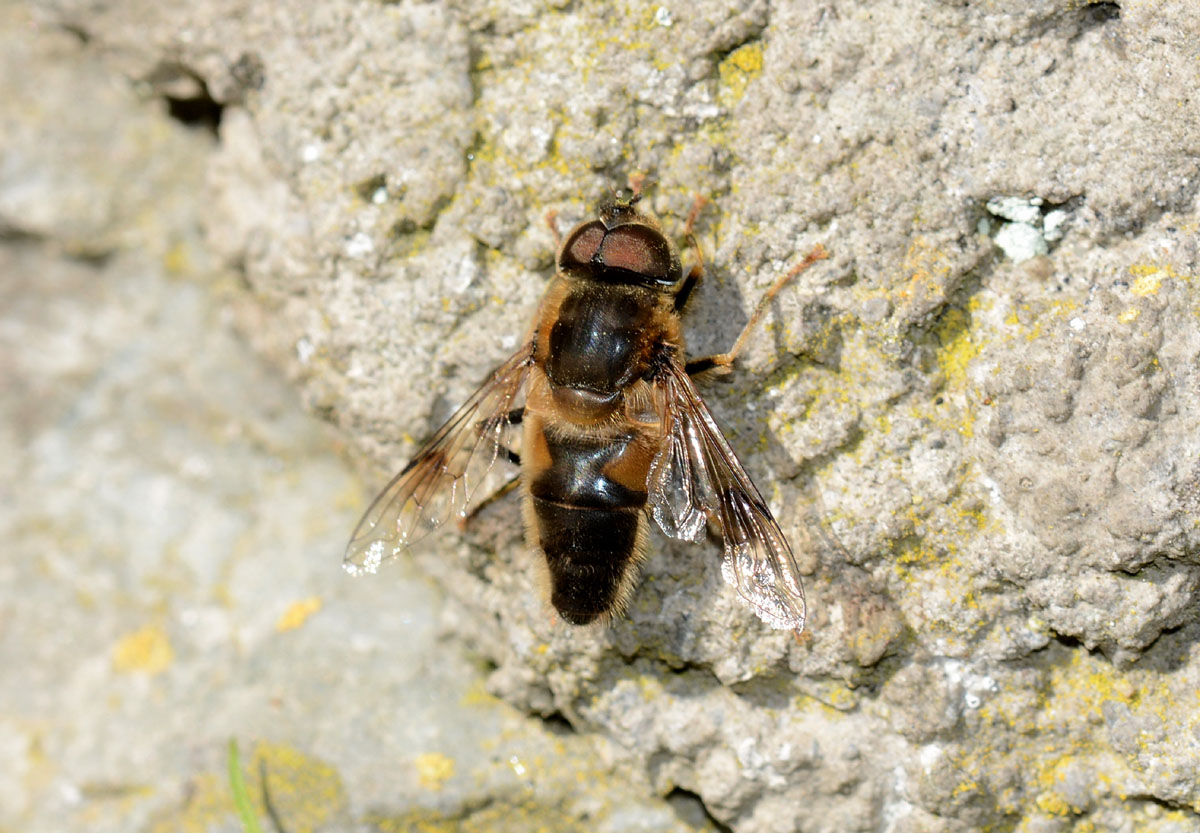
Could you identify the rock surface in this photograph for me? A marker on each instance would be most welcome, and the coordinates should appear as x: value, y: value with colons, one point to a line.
x: 978, y: 420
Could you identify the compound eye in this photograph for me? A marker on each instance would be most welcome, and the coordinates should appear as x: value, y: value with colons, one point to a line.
x: 582, y: 245
x: 641, y: 250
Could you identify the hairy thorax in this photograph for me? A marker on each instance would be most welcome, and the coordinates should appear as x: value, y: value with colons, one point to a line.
x: 595, y: 344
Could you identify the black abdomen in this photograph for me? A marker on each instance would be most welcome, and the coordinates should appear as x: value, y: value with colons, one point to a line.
x: 587, y: 504
x: 590, y: 553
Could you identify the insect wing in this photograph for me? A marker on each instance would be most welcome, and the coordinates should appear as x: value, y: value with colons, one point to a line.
x: 444, y: 476
x: 696, y: 477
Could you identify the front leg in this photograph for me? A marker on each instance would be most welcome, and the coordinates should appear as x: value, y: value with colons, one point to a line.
x: 722, y: 361
x: 685, y: 289
x: 693, y: 277
x: 552, y: 222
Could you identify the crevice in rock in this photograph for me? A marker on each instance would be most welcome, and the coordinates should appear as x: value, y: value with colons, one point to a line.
x: 729, y: 39
x: 1052, y: 652
x: 187, y: 96
x: 1098, y: 14
x: 267, y: 800
x: 200, y: 111
x: 690, y: 674
x: 556, y: 723
x: 1167, y: 805
x: 95, y: 258
x: 1170, y: 650
x: 10, y: 233
x: 690, y: 809
x: 1063, y: 640
x: 407, y: 228
x: 369, y: 187
x: 764, y: 692
x: 476, y: 68
x: 87, y: 254
x: 77, y: 31
x: 477, y: 140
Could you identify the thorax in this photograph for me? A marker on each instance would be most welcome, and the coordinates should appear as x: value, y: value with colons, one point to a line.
x: 594, y: 346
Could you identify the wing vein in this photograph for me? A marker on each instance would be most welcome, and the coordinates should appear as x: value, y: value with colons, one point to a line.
x: 697, y: 477
x: 444, y: 475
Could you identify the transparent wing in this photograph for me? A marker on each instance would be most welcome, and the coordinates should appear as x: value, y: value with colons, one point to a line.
x: 696, y: 477
x: 444, y: 476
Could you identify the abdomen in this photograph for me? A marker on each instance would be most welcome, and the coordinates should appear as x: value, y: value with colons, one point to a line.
x: 585, y: 499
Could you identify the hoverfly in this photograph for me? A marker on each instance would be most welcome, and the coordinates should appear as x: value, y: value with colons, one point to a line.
x: 612, y: 430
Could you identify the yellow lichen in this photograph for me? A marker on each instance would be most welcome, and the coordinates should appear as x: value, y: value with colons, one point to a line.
x: 957, y: 349
x: 306, y: 791
x: 740, y: 67
x: 147, y: 650
x: 1148, y: 277
x: 209, y: 804
x: 177, y: 259
x: 1053, y: 804
x: 477, y: 695
x: 433, y: 769
x: 925, y: 268
x: 298, y: 613
x: 1147, y: 283
x: 497, y: 817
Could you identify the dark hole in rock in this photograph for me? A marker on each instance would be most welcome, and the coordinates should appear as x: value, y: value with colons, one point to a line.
x: 187, y: 96
x: 556, y: 724
x: 201, y: 112
x: 690, y: 809
x: 1099, y: 13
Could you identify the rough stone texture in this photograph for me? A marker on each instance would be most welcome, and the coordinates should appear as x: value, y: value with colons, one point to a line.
x: 990, y: 466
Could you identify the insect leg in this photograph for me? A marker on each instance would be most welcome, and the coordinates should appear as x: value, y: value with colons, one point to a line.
x: 513, y: 417
x: 637, y: 183
x: 552, y: 222
x: 726, y: 359
x: 685, y: 288
x: 490, y: 499
x: 697, y: 271
x: 697, y: 206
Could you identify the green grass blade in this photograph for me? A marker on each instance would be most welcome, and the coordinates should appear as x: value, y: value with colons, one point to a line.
x: 241, y: 797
